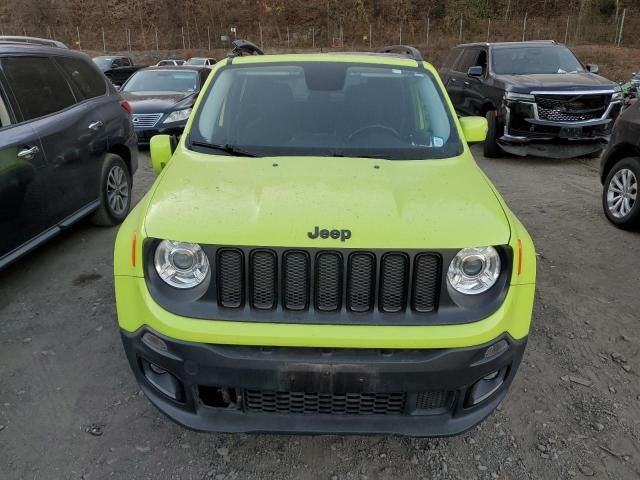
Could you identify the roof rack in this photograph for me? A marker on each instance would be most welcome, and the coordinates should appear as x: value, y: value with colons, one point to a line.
x: 244, y: 47
x: 31, y: 40
x: 406, y: 50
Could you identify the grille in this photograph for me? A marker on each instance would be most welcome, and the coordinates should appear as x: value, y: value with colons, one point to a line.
x: 433, y: 400
x: 324, y: 403
x: 230, y: 278
x: 326, y: 281
x: 145, y: 120
x: 566, y: 108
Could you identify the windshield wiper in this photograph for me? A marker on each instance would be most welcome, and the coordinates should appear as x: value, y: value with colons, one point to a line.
x: 357, y: 155
x: 227, y: 148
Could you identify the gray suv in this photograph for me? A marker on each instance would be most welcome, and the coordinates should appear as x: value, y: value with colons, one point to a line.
x: 67, y: 145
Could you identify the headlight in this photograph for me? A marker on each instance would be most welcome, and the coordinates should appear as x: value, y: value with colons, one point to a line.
x: 616, y: 96
x: 474, y: 270
x: 525, y: 97
x: 178, y: 116
x: 181, y: 265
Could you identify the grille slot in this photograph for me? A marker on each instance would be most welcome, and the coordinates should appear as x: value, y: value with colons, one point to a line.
x: 394, y: 274
x: 328, y: 285
x: 295, y: 271
x: 230, y: 278
x: 566, y: 108
x: 324, y: 403
x: 433, y: 400
x: 360, y: 289
x: 264, y: 268
x: 145, y: 120
x: 426, y: 282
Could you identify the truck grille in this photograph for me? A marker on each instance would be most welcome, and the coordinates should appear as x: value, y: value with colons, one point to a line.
x: 327, y: 281
x: 571, y: 108
x: 145, y: 120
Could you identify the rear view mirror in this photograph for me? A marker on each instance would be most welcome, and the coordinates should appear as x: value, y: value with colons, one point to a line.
x: 592, y: 68
x: 475, y: 71
x: 474, y: 129
x: 161, y: 149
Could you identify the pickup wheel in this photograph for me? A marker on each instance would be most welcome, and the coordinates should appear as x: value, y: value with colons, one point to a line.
x: 620, y: 194
x: 491, y: 147
x: 115, y: 192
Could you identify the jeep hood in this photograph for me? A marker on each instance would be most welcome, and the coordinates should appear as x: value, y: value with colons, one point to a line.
x: 275, y: 201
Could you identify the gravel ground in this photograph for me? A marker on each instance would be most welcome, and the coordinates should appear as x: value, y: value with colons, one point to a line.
x: 70, y: 408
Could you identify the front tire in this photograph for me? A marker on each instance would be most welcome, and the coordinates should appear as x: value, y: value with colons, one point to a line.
x: 115, y: 192
x: 620, y: 194
x: 491, y: 147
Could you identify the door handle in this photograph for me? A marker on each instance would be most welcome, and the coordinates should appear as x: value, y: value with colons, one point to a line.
x: 28, y: 153
x: 95, y: 126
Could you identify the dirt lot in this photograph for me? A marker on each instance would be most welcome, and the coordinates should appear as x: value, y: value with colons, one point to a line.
x: 573, y: 411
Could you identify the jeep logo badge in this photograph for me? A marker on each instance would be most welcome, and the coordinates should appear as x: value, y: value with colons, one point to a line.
x: 343, y: 234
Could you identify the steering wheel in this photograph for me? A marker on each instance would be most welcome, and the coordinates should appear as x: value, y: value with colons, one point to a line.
x: 376, y: 126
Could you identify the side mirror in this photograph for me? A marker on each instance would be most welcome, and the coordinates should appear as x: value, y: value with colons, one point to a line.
x: 592, y: 68
x: 161, y: 149
x: 474, y: 129
x: 475, y: 71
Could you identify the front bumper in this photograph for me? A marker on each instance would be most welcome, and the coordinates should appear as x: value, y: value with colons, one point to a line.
x: 413, y: 392
x: 145, y: 134
x: 525, y: 133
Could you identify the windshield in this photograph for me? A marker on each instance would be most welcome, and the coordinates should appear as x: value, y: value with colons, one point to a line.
x: 196, y: 61
x: 162, y: 81
x: 327, y: 109
x: 103, y: 62
x: 532, y: 60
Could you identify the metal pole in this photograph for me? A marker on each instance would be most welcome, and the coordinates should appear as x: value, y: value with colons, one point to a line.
x: 566, y: 32
x: 49, y: 32
x: 184, y: 45
x: 370, y: 39
x: 261, y: 42
x: 209, y: 37
x: 129, y: 36
x: 624, y: 12
x: 460, y: 36
x: 524, y: 26
x: 157, y: 43
x: 428, y: 27
x: 488, y: 30
x: 104, y: 42
x: 78, y: 32
x: 400, y: 34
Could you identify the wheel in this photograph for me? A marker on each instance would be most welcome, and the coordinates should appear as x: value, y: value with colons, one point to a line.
x: 620, y: 194
x: 115, y: 192
x: 491, y: 147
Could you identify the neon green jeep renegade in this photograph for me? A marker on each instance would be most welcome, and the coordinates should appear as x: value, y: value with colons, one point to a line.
x: 320, y: 253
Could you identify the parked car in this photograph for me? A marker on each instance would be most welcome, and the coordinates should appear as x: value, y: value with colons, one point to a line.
x: 201, y: 61
x: 161, y: 98
x: 321, y: 253
x: 67, y: 146
x: 167, y: 63
x: 620, y: 171
x: 538, y: 98
x: 117, y: 68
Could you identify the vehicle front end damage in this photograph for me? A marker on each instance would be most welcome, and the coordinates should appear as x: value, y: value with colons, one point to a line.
x: 558, y: 124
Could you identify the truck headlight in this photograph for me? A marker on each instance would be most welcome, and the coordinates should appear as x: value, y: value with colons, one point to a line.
x: 523, y: 97
x: 616, y: 96
x: 178, y: 116
x: 181, y: 265
x: 474, y: 270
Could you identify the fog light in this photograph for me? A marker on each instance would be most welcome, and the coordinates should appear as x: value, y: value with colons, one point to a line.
x: 154, y: 342
x: 156, y: 369
x: 486, y: 387
x: 491, y: 376
x: 163, y: 381
x: 496, y: 349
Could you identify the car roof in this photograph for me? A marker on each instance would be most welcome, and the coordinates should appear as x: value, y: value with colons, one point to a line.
x: 110, y: 56
x: 530, y: 43
x: 192, y: 68
x: 347, y: 57
x: 7, y: 47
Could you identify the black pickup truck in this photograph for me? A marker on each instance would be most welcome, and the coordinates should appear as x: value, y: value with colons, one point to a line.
x: 117, y: 68
x: 538, y: 98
